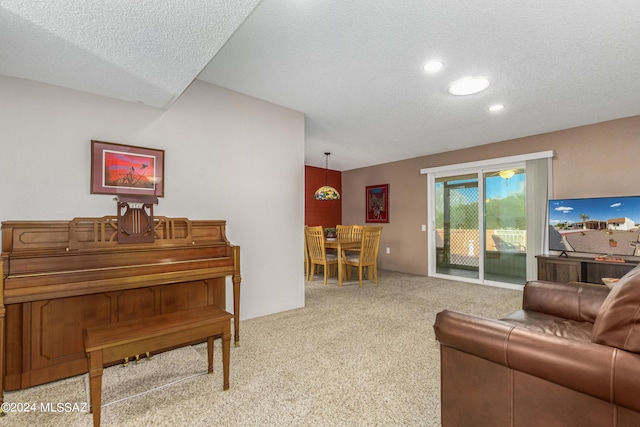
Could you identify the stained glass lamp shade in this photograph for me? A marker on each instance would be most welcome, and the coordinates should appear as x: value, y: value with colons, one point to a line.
x: 326, y: 192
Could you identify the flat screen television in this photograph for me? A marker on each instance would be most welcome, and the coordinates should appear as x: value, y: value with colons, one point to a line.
x: 602, y: 225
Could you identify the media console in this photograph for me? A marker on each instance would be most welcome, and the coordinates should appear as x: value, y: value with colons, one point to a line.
x: 580, y: 269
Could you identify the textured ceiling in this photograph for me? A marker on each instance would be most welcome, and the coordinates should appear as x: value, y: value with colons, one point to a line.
x: 353, y: 67
x: 145, y: 51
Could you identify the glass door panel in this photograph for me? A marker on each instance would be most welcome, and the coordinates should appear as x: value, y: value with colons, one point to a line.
x: 505, y: 226
x: 457, y: 234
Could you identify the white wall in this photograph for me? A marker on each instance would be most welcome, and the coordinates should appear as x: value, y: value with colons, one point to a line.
x: 227, y: 156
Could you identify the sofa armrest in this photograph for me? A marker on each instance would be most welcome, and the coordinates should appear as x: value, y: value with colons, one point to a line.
x: 575, y: 300
x: 600, y: 371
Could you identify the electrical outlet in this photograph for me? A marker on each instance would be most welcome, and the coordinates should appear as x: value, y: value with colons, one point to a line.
x: 388, y: 250
x: 424, y: 227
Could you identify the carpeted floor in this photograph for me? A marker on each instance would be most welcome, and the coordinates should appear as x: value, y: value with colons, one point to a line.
x: 351, y: 357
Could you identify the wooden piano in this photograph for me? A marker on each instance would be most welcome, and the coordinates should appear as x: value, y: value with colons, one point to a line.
x: 60, y: 277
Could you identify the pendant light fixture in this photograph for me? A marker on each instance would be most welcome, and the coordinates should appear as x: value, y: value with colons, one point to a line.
x: 508, y: 173
x: 326, y: 192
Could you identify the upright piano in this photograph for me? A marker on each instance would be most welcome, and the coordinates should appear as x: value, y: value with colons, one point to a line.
x: 59, y: 277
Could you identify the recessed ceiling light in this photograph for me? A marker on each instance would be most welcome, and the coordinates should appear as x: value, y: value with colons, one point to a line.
x: 496, y: 107
x: 432, y: 66
x: 469, y: 85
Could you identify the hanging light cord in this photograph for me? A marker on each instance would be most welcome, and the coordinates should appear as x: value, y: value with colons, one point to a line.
x: 326, y: 169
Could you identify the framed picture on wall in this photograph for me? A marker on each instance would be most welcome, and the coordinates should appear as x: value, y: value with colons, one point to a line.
x: 125, y: 169
x: 377, y: 200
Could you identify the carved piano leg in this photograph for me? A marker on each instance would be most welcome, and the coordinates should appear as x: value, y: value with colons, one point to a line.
x: 236, y: 310
x: 236, y: 279
x: 126, y: 362
x: 137, y: 358
x: 149, y: 356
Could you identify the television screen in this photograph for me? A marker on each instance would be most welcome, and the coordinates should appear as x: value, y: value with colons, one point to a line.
x: 603, y: 225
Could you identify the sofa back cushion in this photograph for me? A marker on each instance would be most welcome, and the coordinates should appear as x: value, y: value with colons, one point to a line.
x: 618, y: 321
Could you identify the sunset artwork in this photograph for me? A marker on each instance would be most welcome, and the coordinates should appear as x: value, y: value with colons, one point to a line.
x: 127, y: 170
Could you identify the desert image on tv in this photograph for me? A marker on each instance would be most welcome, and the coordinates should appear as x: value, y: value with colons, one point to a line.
x: 608, y: 226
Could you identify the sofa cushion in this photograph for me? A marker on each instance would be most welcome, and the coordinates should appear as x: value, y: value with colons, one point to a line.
x: 618, y: 321
x: 548, y: 324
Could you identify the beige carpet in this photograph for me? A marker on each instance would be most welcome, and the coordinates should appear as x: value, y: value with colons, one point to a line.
x: 351, y: 357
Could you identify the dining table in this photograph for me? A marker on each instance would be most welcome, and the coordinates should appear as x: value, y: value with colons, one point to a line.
x: 340, y: 245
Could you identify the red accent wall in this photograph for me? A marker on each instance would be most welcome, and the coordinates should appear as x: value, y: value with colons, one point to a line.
x: 327, y: 213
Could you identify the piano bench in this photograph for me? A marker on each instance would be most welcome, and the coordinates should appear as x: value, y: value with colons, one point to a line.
x: 118, y: 341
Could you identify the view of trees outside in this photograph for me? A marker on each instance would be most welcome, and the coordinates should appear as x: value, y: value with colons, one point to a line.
x: 504, y: 208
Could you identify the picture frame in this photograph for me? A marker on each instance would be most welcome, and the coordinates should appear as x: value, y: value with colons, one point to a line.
x: 377, y: 203
x: 126, y: 169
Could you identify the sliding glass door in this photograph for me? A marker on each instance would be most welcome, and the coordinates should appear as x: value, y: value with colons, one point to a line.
x: 487, y: 219
x: 505, y: 226
x: 457, y: 231
x: 480, y: 225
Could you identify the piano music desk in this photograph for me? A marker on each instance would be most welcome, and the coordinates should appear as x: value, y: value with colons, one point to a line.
x: 117, y: 341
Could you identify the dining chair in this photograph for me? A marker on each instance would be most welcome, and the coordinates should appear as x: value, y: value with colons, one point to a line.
x: 318, y: 254
x: 356, y: 232
x: 307, y: 262
x: 367, y: 257
x: 344, y: 231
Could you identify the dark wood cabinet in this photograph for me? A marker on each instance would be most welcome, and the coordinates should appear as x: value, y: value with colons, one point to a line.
x: 554, y: 268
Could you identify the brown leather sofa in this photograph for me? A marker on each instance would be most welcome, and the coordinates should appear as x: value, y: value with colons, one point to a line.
x: 570, y: 357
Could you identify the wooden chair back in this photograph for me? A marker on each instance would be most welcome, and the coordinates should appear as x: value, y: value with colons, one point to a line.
x: 356, y: 232
x: 307, y: 262
x: 367, y: 256
x: 370, y: 245
x: 344, y: 232
x: 315, y: 244
x: 317, y: 252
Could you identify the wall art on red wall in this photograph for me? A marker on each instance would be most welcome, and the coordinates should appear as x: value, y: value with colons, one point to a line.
x: 377, y: 199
